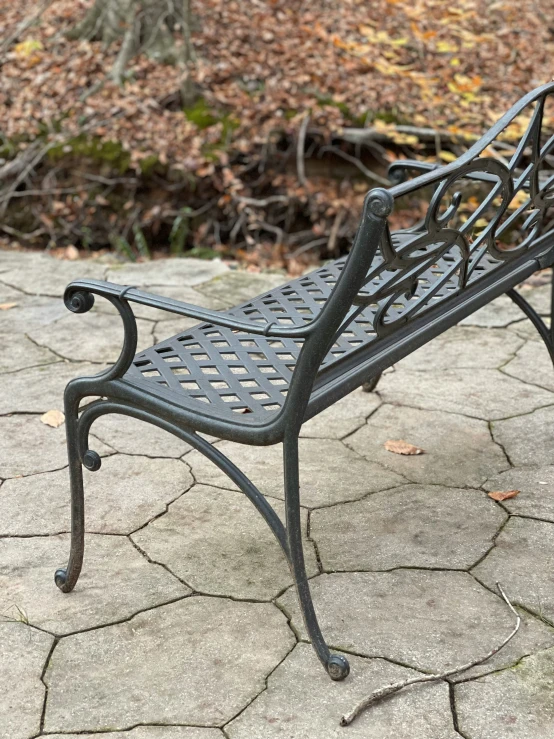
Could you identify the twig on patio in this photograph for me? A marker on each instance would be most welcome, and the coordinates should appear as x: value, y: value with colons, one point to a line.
x: 377, y: 695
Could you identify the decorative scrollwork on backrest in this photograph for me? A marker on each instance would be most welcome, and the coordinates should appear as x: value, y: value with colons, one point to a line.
x: 455, y: 244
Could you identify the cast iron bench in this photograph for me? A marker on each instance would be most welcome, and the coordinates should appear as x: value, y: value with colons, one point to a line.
x: 254, y: 374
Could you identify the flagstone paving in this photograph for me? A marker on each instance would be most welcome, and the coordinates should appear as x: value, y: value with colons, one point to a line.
x: 185, y: 624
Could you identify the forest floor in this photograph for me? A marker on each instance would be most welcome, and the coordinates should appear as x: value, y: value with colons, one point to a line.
x: 270, y: 78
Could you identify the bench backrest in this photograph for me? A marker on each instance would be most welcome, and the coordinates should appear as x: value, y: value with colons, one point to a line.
x: 411, y: 271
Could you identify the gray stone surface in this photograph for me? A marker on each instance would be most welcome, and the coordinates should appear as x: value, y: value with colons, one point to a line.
x: 428, y: 620
x: 329, y: 472
x: 125, y: 494
x: 343, y: 417
x: 177, y: 325
x: 19, y: 352
x: 151, y: 732
x: 532, y: 364
x: 40, y: 389
x: 30, y: 314
x: 411, y: 526
x: 523, y: 561
x: 536, y: 498
x: 464, y: 347
x: 488, y: 394
x: 302, y: 703
x: 131, y: 436
x: 23, y: 654
x: 517, y: 703
x: 27, y: 446
x: 458, y: 450
x: 237, y: 286
x: 500, y: 313
x: 90, y: 337
x: 45, y: 275
x: 527, y: 439
x: 199, y: 661
x: 116, y: 582
x: 526, y: 330
x: 218, y: 543
x: 178, y: 272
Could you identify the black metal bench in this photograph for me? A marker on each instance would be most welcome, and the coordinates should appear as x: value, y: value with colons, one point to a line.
x: 255, y: 373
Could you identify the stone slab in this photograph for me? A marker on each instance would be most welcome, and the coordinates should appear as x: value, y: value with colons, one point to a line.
x: 238, y: 286
x: 458, y: 450
x: 517, y: 703
x: 18, y: 353
x: 464, y: 347
x: 343, y: 417
x: 40, y: 389
x: 177, y: 325
x: 151, y: 732
x: 125, y: 494
x: 218, y: 543
x: 175, y: 272
x: 527, y: 439
x: 45, y: 275
x: 532, y: 364
x: 523, y: 561
x: 488, y: 394
x: 90, y: 337
x: 31, y: 314
x: 329, y: 472
x: 428, y: 620
x: 411, y: 526
x: 131, y: 436
x: 199, y: 661
x: 302, y: 703
x: 536, y: 498
x: 116, y: 582
x: 28, y: 446
x: 23, y: 654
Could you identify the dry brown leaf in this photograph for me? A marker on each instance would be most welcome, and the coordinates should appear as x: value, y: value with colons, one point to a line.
x: 72, y: 252
x: 53, y: 418
x: 504, y: 494
x: 7, y: 306
x: 399, y: 446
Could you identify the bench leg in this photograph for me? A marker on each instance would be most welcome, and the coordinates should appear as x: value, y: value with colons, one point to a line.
x: 336, y: 665
x: 546, y: 333
x: 66, y: 579
x: 371, y: 384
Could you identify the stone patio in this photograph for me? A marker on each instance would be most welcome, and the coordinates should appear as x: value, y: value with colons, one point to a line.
x: 184, y: 624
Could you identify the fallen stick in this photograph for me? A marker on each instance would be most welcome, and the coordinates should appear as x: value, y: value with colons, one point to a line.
x: 377, y: 695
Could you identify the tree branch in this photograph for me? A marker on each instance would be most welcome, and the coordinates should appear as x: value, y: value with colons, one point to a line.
x: 377, y: 695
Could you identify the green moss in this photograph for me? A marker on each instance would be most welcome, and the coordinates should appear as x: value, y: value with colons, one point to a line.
x: 200, y: 115
x: 148, y: 164
x: 109, y: 152
x: 202, y: 252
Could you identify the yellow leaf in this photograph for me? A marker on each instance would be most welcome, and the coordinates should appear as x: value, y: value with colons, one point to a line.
x: 445, y: 47
x: 26, y: 48
x: 447, y: 156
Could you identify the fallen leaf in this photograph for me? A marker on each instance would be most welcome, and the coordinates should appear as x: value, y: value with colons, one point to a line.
x: 7, y: 306
x: 504, y: 494
x: 53, y: 418
x: 72, y: 252
x: 398, y: 446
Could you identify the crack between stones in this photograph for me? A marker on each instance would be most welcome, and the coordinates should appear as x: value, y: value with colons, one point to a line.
x: 43, y: 681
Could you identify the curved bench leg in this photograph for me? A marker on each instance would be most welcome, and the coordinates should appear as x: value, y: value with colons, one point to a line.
x: 66, y: 579
x: 546, y: 333
x: 336, y: 665
x: 371, y: 384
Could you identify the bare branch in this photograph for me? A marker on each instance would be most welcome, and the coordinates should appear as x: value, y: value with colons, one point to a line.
x: 300, y: 164
x: 395, y: 687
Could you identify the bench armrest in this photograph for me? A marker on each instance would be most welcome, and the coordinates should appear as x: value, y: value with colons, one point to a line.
x: 399, y: 169
x: 79, y: 298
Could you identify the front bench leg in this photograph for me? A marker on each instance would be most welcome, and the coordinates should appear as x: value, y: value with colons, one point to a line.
x: 336, y: 665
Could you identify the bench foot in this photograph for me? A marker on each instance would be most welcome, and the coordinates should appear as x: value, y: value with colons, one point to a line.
x: 338, y: 667
x: 370, y: 385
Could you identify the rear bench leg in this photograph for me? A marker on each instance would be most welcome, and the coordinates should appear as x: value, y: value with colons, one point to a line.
x: 336, y: 665
x: 371, y: 384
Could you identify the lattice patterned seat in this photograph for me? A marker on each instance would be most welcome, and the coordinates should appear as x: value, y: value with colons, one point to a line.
x: 224, y: 372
